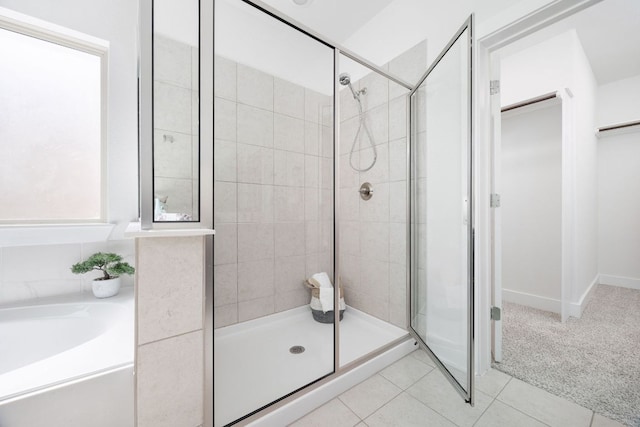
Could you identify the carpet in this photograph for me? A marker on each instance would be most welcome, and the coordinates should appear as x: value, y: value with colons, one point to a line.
x: 593, y: 361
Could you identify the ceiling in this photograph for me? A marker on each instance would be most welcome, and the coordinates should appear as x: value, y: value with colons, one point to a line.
x: 608, y: 30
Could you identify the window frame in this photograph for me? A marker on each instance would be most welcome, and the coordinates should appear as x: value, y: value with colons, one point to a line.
x: 65, y: 37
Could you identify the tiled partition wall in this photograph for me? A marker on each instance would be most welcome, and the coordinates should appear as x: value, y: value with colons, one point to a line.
x: 169, y: 337
x: 373, y: 233
x: 273, y: 200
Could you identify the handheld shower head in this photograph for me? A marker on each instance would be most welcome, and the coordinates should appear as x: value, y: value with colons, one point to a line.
x: 345, y: 79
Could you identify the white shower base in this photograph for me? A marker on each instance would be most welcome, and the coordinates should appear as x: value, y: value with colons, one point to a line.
x: 253, y: 365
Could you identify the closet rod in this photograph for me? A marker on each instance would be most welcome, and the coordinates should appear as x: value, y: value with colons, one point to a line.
x: 619, y: 126
x: 530, y: 101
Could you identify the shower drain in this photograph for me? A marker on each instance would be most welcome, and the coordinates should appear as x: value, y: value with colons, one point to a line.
x: 296, y: 349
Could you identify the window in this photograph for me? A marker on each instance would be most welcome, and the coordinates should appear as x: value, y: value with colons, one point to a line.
x: 52, y: 127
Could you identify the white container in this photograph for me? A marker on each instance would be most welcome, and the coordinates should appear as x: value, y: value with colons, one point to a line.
x: 105, y: 288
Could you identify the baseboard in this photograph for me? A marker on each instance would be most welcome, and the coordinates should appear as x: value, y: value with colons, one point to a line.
x: 551, y: 304
x: 623, y: 282
x: 530, y: 300
x: 577, y: 308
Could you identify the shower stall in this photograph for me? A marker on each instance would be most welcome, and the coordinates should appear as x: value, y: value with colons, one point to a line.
x: 325, y: 163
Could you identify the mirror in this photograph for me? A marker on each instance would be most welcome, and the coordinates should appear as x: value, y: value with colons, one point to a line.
x: 176, y: 111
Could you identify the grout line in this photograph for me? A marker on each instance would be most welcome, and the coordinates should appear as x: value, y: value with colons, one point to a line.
x: 593, y: 417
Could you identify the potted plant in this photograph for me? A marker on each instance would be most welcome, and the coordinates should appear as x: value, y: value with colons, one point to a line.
x: 111, y: 266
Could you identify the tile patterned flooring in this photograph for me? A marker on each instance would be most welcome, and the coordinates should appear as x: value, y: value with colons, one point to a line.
x: 412, y: 392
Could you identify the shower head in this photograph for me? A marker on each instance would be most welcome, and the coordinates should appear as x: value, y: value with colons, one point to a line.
x: 344, y: 79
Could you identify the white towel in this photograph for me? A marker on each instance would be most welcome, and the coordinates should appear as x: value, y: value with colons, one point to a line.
x: 322, y: 279
x: 326, y: 299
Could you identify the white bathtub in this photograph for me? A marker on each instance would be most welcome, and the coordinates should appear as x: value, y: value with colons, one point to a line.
x: 63, y: 350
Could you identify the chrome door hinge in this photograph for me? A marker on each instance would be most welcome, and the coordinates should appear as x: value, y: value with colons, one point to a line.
x: 495, y: 201
x: 494, y: 87
x: 495, y: 313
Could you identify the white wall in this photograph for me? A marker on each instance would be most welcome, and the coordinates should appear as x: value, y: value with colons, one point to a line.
x: 618, y: 102
x: 531, y: 202
x: 619, y: 185
x: 554, y: 64
x: 29, y: 272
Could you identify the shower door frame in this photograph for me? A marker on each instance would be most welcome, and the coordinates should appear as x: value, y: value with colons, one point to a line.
x: 468, y: 395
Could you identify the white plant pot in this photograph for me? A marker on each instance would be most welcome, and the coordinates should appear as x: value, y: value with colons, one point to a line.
x: 105, y: 288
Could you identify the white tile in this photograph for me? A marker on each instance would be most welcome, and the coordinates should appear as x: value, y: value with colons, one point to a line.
x: 377, y: 90
x: 289, y: 204
x: 350, y: 271
x: 379, y: 173
x: 172, y: 108
x: 225, y: 202
x: 288, y: 133
x: 224, y: 123
x: 500, y: 415
x: 398, y: 160
x: 256, y: 279
x: 289, y: 168
x: 492, y: 382
x: 225, y: 290
x: 334, y: 414
x: 253, y: 309
x: 289, y: 239
x: 291, y: 299
x: 349, y: 177
x: 348, y: 105
x: 406, y: 371
x: 288, y: 98
x: 398, y: 295
x: 311, y: 171
x: 348, y: 133
x: 172, y: 157
x: 326, y: 173
x: 225, y: 315
x: 326, y: 141
x: 255, y: 164
x: 312, y: 138
x: 409, y: 66
x: 374, y: 276
x: 600, y: 421
x: 255, y: 126
x: 255, y: 87
x: 398, y: 201
x: 312, y: 102
x: 374, y: 241
x: 436, y: 392
x: 171, y: 61
x: 376, y: 209
x: 398, y: 243
x: 224, y: 160
x: 225, y: 244
x: 312, y: 204
x: 544, y: 406
x: 365, y: 398
x: 405, y: 411
x: 290, y: 274
x: 255, y: 203
x: 349, y: 204
x: 225, y: 78
x: 377, y: 121
x: 169, y: 382
x: 255, y: 242
x: 169, y: 284
x: 312, y: 237
x: 398, y: 118
x: 350, y: 237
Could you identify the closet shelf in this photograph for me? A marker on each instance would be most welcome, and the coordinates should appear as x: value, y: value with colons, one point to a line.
x: 618, y: 129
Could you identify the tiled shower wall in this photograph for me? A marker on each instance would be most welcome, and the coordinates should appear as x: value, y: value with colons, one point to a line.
x: 373, y: 233
x: 175, y: 146
x: 273, y: 200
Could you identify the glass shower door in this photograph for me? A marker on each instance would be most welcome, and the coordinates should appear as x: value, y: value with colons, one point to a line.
x: 441, y: 271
